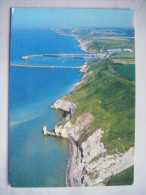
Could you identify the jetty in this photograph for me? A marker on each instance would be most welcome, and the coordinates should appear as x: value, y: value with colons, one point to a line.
x: 31, y: 66
x: 77, y: 56
x: 45, y: 132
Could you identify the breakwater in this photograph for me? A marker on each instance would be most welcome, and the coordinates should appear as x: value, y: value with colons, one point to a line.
x: 83, y: 56
x: 31, y: 66
x: 36, y: 160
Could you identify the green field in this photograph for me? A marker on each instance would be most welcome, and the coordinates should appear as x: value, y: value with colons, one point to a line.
x: 109, y: 95
x: 124, y: 64
x: 98, y: 32
x: 123, y: 178
x: 123, y: 55
x: 111, y: 99
x: 103, y: 39
x: 125, y: 71
x: 102, y: 44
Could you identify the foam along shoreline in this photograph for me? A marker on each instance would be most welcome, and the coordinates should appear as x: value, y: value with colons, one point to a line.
x: 69, y: 109
x: 84, y: 168
x: 73, y: 133
x: 83, y: 44
x: 65, y: 105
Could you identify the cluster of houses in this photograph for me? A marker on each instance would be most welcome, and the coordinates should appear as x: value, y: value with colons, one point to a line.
x: 116, y: 50
x: 109, y: 52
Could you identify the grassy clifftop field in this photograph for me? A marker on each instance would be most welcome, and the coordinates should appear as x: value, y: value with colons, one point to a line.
x: 108, y: 93
x: 100, y: 40
x: 111, y: 99
x: 102, y: 44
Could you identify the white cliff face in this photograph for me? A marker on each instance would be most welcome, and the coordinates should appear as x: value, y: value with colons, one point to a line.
x: 62, y: 131
x: 85, y: 169
x: 108, y: 166
x: 75, y: 130
x: 81, y: 160
x: 63, y: 105
x: 90, y: 165
x: 93, y: 146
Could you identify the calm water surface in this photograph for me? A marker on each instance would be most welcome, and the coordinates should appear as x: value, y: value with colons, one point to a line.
x: 36, y: 160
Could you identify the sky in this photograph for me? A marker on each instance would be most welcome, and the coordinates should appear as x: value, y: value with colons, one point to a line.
x: 33, y: 18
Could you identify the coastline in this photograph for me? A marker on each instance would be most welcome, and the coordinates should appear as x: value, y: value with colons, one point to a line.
x: 71, y: 142
x: 81, y: 170
x: 68, y: 170
x: 74, y: 153
x: 82, y: 44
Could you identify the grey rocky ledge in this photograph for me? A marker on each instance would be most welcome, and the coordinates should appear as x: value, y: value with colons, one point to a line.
x: 91, y: 165
x: 64, y: 105
x: 75, y: 130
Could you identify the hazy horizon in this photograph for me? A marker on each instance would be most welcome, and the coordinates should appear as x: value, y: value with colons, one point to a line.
x: 34, y: 18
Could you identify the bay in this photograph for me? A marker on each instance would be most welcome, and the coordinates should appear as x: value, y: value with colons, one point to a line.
x: 35, y: 160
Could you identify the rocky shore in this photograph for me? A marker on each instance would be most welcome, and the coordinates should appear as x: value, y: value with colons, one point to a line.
x: 87, y: 170
x: 67, y: 107
x: 89, y: 164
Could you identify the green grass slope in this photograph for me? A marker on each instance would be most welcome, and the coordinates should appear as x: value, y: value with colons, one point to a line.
x: 125, y: 71
x: 111, y: 99
x: 123, y: 55
x: 103, y: 44
x: 123, y: 178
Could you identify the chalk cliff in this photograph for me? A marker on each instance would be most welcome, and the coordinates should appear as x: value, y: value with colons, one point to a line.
x: 75, y: 130
x: 90, y: 164
x: 65, y: 106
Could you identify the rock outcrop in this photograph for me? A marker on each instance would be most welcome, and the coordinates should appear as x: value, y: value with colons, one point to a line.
x: 90, y: 164
x: 84, y: 68
x: 45, y: 132
x: 75, y: 130
x: 107, y: 166
x: 65, y: 106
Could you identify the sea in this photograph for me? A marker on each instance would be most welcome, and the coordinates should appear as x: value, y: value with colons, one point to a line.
x: 36, y: 160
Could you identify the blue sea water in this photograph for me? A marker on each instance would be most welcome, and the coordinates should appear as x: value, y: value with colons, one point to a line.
x: 35, y: 160
x: 44, y: 42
